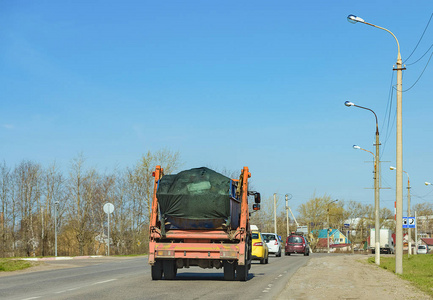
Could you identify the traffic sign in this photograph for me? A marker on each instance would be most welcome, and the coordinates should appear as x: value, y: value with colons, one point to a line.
x: 404, y: 222
x: 108, y: 208
x: 411, y: 222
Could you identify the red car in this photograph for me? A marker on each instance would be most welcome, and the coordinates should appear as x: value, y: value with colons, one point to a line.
x: 297, y: 243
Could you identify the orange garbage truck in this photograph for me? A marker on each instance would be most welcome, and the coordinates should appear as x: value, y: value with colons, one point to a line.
x: 201, y: 218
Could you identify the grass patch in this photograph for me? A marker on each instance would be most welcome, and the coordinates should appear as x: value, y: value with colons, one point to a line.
x: 9, y: 265
x: 417, y: 269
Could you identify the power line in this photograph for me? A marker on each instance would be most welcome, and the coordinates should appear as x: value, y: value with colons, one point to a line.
x: 425, y: 29
x: 388, y: 109
x: 420, y: 74
x: 420, y: 57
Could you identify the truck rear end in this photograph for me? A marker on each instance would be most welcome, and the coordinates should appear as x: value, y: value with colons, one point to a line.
x: 200, y: 218
x: 386, y: 242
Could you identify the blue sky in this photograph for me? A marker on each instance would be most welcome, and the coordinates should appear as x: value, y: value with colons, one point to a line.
x: 226, y: 83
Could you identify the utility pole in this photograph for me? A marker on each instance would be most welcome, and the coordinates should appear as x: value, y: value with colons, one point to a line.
x: 409, y: 235
x: 376, y: 183
x: 399, y: 150
x: 55, y: 227
x: 416, y: 235
x: 287, y: 215
x: 275, y: 212
x: 376, y: 198
x: 327, y: 230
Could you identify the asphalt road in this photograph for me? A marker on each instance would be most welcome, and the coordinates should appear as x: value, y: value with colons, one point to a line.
x: 129, y: 278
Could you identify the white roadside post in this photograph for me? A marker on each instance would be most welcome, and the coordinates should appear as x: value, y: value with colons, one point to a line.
x: 275, y: 213
x: 416, y: 236
x: 108, y: 209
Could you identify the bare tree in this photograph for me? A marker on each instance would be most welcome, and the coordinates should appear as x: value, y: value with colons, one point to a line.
x: 140, y: 191
x: 27, y: 177
x: 5, y: 186
x: 79, y: 208
x: 54, y: 196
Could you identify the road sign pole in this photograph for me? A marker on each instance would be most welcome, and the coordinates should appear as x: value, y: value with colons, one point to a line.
x: 108, y: 209
x: 108, y: 234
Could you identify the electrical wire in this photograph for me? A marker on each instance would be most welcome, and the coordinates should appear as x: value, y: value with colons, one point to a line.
x: 425, y: 29
x: 420, y: 57
x: 420, y: 74
x: 388, y: 111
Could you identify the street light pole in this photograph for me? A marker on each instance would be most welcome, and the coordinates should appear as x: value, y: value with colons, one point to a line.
x: 327, y: 230
x: 55, y: 227
x: 275, y: 212
x: 409, y: 231
x: 376, y: 186
x: 287, y: 214
x: 399, y: 151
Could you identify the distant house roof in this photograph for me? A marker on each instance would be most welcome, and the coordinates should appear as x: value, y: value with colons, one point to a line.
x: 428, y: 241
x: 323, y: 234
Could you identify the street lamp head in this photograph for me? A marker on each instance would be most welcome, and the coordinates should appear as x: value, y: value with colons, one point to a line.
x: 392, y: 168
x: 427, y: 183
x: 356, y: 147
x: 354, y: 19
x: 348, y: 103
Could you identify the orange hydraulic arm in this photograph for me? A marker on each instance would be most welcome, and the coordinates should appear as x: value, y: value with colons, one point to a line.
x: 157, y: 174
x: 244, y: 224
x: 244, y: 201
x: 153, y: 219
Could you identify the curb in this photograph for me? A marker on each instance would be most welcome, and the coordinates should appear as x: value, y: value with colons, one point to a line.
x: 60, y: 258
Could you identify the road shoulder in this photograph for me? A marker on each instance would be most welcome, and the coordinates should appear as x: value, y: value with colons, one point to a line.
x: 347, y: 277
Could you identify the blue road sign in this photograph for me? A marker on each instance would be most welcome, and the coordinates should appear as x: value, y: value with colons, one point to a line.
x: 404, y: 222
x: 411, y: 222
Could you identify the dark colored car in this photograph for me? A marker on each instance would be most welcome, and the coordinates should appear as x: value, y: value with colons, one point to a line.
x: 297, y: 243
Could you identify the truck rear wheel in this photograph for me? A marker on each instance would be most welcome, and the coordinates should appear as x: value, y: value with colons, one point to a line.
x: 157, y: 270
x: 242, y: 272
x: 169, y: 268
x: 229, y: 270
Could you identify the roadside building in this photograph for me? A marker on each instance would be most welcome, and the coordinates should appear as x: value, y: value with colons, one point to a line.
x: 337, y: 240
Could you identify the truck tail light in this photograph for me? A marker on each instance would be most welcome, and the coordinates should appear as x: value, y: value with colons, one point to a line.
x: 165, y: 253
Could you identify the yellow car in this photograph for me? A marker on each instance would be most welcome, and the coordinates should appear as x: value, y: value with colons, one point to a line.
x: 260, y: 250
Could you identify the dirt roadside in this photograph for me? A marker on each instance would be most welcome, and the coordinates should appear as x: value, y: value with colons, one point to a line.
x: 347, y: 277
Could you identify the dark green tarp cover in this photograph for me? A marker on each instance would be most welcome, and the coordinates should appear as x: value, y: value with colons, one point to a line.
x: 196, y: 194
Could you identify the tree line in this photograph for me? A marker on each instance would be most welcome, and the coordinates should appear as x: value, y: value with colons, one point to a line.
x: 32, y: 198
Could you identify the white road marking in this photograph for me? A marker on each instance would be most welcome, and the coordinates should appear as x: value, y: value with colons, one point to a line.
x: 32, y: 298
x: 109, y: 280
